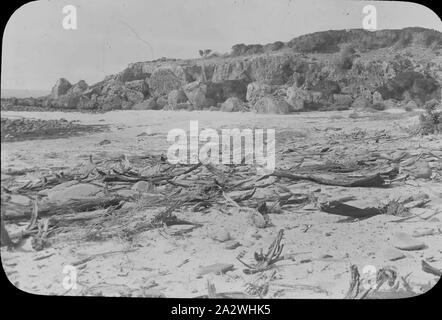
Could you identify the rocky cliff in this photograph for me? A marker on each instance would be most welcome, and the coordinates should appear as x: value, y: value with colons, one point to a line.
x: 320, y: 71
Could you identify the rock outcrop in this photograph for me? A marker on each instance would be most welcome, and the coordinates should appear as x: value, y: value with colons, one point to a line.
x: 60, y: 88
x: 378, y: 68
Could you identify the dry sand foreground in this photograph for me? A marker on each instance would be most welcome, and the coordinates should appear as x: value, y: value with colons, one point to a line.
x: 320, y: 246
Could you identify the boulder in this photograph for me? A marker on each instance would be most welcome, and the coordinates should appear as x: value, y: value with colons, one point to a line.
x: 377, y: 98
x: 270, y: 104
x: 233, y: 104
x: 176, y: 96
x: 298, y: 98
x: 196, y: 94
x: 256, y: 90
x: 60, y: 88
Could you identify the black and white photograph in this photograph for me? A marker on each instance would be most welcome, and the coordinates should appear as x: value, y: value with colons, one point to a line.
x: 236, y: 149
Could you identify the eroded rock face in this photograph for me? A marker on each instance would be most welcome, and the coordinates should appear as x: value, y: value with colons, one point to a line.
x: 163, y: 80
x: 272, y: 70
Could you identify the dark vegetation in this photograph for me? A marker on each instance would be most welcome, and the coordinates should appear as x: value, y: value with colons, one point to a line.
x: 359, y: 39
x: 418, y: 85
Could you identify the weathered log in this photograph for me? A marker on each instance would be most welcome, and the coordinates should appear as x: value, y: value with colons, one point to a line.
x: 374, y: 180
x: 430, y: 269
x: 342, y: 209
x: 79, y: 205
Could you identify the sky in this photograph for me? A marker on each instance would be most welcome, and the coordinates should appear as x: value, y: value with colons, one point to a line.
x: 110, y: 34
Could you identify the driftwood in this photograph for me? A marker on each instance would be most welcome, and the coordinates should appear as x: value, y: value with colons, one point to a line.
x: 375, y: 180
x: 430, y: 269
x: 134, y: 177
x: 80, y: 205
x: 342, y: 209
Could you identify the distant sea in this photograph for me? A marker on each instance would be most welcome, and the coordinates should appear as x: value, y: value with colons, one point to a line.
x: 19, y: 93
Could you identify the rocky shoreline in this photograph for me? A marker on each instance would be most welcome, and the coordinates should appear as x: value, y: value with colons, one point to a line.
x: 323, y: 71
